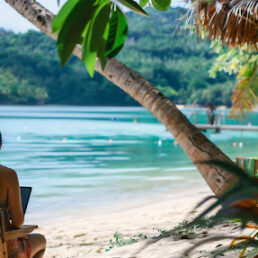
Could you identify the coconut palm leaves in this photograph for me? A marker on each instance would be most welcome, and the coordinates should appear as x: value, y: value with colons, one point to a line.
x: 235, y: 22
x: 245, y: 95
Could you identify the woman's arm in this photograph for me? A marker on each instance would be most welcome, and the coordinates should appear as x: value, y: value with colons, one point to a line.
x: 14, y: 199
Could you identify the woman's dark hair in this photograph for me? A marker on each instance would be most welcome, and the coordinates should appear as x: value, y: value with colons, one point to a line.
x: 1, y: 140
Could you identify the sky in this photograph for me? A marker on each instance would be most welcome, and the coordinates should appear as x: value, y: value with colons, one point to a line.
x: 11, y: 20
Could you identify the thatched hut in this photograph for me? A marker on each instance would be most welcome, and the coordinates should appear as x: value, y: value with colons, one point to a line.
x: 234, y: 22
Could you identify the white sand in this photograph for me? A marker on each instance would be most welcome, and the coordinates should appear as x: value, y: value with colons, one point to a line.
x: 89, y: 236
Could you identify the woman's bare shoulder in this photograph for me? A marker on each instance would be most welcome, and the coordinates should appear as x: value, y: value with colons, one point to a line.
x: 5, y: 171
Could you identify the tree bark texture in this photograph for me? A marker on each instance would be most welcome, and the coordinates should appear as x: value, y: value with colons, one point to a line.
x: 192, y: 141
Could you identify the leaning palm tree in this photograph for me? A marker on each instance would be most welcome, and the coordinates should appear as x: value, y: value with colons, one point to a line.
x: 192, y: 141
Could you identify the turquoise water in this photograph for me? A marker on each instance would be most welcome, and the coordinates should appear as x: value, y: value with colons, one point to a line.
x: 86, y: 157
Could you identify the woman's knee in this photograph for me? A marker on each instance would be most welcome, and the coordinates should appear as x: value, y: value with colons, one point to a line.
x: 38, y: 241
x: 43, y: 240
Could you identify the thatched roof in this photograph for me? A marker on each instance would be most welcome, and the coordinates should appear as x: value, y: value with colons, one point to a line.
x: 235, y: 22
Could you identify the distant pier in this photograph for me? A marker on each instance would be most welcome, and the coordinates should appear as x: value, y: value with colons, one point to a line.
x: 218, y: 128
x: 220, y: 124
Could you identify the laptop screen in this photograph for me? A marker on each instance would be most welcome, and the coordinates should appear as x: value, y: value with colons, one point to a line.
x: 25, y: 196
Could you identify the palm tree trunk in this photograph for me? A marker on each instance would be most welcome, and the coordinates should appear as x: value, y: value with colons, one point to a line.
x: 192, y: 141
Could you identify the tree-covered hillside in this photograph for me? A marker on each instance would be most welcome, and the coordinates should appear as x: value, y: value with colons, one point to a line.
x: 178, y: 64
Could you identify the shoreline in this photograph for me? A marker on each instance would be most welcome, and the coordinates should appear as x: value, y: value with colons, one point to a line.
x: 80, y: 235
x: 51, y: 217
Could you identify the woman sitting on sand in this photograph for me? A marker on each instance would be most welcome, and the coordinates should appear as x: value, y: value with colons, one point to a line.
x: 33, y: 245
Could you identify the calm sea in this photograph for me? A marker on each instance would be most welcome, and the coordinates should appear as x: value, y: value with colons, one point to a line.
x: 88, y: 157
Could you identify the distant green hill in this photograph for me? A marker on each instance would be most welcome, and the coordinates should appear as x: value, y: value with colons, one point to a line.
x: 178, y: 65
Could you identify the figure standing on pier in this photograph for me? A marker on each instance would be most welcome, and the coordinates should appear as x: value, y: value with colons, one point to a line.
x: 210, y: 107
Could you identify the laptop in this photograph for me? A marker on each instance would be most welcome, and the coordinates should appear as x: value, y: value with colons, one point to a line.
x: 25, y: 196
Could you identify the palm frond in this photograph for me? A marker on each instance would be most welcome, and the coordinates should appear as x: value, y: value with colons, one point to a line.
x: 245, y: 95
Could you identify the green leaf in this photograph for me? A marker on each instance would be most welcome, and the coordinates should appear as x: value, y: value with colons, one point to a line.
x: 104, y: 17
x: 73, y: 27
x: 62, y: 15
x: 133, y: 6
x: 117, y: 33
x: 143, y: 2
x: 99, y: 24
x: 88, y: 57
x: 246, y: 71
x: 161, y: 5
x: 90, y: 62
x: 96, y: 37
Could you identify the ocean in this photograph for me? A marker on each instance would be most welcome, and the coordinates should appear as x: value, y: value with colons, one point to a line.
x: 93, y: 157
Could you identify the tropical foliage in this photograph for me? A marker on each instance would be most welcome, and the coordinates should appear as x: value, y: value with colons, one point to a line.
x: 19, y: 91
x: 30, y: 59
x: 177, y: 64
x: 242, y: 61
x: 104, y: 30
x: 234, y: 23
x: 101, y: 27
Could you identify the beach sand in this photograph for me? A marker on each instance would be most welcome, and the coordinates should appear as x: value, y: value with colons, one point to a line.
x: 89, y: 236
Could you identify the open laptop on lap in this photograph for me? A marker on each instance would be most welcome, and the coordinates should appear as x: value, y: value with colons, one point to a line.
x: 25, y: 196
